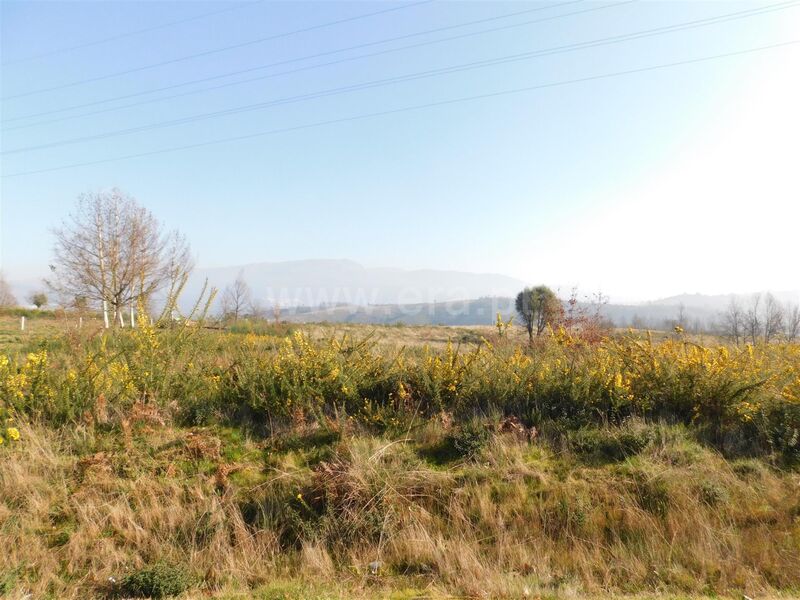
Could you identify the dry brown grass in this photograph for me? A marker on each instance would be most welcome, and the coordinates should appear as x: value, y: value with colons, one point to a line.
x: 392, y: 336
x: 78, y: 508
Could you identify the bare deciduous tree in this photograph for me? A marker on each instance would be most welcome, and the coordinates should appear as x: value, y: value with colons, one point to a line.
x: 236, y: 298
x: 7, y: 297
x: 257, y: 309
x: 733, y: 321
x: 792, y: 322
x: 753, y: 319
x: 682, y: 320
x: 113, y: 251
x: 773, y: 318
x: 766, y: 320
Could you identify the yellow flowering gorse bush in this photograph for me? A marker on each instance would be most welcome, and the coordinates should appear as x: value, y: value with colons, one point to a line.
x: 755, y: 390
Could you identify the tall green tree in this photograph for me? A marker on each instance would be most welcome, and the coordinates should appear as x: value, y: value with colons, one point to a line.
x: 538, y: 307
x: 38, y: 299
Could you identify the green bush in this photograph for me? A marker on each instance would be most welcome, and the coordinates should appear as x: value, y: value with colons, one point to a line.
x: 469, y: 439
x: 742, y: 402
x: 713, y: 493
x: 6, y: 583
x: 783, y: 431
x: 653, y: 496
x: 160, y: 580
x: 609, y: 445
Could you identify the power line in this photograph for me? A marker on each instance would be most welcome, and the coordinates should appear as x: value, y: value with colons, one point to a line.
x: 410, y: 108
x: 770, y: 8
x: 409, y: 77
x: 215, y: 51
x: 307, y: 57
x: 131, y: 33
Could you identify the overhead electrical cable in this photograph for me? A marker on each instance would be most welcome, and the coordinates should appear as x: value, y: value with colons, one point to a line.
x: 769, y: 8
x: 128, y: 34
x: 214, y: 51
x: 415, y: 107
x: 399, y: 79
x: 308, y: 57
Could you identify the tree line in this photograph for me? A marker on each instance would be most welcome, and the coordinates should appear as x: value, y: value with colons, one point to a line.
x: 762, y: 319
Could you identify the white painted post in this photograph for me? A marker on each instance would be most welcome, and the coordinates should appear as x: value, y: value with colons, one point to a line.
x: 22, y: 323
x: 133, y: 318
x: 105, y: 313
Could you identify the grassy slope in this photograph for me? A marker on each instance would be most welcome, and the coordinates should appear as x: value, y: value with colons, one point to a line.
x: 313, y: 509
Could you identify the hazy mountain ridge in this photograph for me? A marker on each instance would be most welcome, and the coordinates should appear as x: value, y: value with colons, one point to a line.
x: 346, y: 291
x: 483, y: 311
x: 324, y: 282
x: 721, y: 301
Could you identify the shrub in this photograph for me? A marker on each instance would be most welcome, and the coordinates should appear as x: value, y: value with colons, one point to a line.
x: 713, y: 493
x: 653, y: 495
x: 741, y: 401
x: 469, y: 439
x: 6, y: 583
x: 782, y: 425
x: 609, y: 445
x: 160, y: 580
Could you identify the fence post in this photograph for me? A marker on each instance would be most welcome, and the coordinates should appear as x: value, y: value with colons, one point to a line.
x: 22, y: 323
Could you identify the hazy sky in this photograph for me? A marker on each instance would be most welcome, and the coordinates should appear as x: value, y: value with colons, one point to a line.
x: 647, y: 184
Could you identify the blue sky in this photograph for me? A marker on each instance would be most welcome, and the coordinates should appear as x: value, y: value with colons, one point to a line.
x: 643, y: 185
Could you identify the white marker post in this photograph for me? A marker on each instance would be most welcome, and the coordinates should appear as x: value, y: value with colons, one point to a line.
x: 133, y: 318
x: 22, y: 323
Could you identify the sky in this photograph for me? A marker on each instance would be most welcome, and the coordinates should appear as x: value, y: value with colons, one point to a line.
x: 420, y: 134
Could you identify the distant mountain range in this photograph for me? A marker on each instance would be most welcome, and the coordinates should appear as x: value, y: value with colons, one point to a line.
x: 660, y: 314
x: 345, y: 291
x: 483, y: 311
x: 331, y: 282
x: 719, y: 301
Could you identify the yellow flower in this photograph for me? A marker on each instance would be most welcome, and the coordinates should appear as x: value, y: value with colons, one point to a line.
x: 402, y: 392
x: 12, y: 433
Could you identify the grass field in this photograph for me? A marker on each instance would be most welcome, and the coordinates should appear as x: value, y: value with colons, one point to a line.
x: 39, y: 326
x: 280, y: 462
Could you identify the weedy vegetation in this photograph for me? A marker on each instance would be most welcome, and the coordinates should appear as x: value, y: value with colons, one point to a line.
x: 277, y: 462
